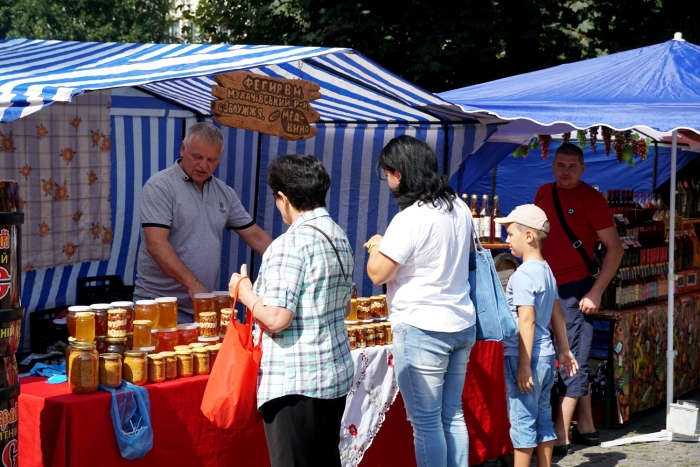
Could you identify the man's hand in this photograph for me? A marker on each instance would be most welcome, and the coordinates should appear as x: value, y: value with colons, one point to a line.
x: 246, y: 284
x: 374, y: 239
x: 568, y: 362
x: 525, y: 383
x: 590, y: 303
x: 195, y: 288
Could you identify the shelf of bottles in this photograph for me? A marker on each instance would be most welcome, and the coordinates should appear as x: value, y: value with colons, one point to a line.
x: 491, y: 233
x: 642, y: 222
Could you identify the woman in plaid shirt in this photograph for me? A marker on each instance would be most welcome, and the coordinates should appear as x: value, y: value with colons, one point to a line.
x: 299, y: 299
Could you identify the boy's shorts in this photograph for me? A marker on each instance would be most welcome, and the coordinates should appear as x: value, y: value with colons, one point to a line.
x: 530, y: 413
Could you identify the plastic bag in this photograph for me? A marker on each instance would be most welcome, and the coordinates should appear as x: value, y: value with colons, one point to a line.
x: 131, y: 417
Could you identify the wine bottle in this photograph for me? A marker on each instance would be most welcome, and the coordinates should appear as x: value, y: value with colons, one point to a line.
x: 485, y: 220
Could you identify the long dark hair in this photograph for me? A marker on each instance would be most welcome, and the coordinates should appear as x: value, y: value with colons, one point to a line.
x: 418, y: 165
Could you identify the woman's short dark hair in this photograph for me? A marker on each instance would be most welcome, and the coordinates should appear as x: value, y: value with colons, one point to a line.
x: 418, y: 165
x: 302, y: 179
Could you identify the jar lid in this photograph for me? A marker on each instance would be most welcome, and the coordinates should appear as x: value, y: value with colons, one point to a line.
x: 166, y: 299
x: 116, y: 339
x: 206, y: 339
x: 76, y: 309
x: 197, y: 344
x: 212, y: 347
x: 100, y: 306
x: 187, y: 326
x: 146, y: 302
x: 134, y: 353
x: 181, y: 347
x: 83, y: 346
x: 367, y: 321
x: 363, y: 299
x: 122, y: 304
x: 207, y: 314
x: 148, y: 348
x: 200, y: 349
x: 72, y: 339
x: 165, y: 330
x: 142, y: 322
x: 204, y: 295
x: 155, y: 356
x: 110, y: 356
x: 116, y: 311
x: 353, y: 300
x: 382, y: 295
x: 375, y: 297
x: 167, y: 353
x: 85, y: 314
x: 350, y: 323
x: 222, y: 293
x: 183, y: 352
x: 227, y: 311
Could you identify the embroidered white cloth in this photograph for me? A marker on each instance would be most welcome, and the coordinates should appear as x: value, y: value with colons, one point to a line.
x: 373, y: 391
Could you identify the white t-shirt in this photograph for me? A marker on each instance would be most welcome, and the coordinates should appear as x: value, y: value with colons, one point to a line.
x: 430, y: 290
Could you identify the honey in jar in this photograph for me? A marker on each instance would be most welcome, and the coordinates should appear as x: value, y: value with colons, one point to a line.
x: 167, y: 340
x: 213, y: 353
x: 147, y: 310
x: 142, y: 333
x: 353, y: 310
x: 70, y: 318
x: 207, y: 324
x: 85, y: 326
x: 361, y: 341
x: 170, y: 364
x: 83, y: 369
x: 156, y: 368
x: 203, y: 303
x: 116, y: 322
x: 185, y: 365
x: 129, y: 307
x: 226, y: 314
x: 111, y: 370
x: 364, y: 307
x: 115, y: 345
x: 201, y: 361
x: 135, y: 367
x: 352, y: 337
x: 167, y: 307
x: 385, y: 311
x: 187, y: 333
x: 101, y: 311
x: 378, y: 334
x: 376, y: 307
x: 388, y: 337
x: 222, y: 299
x: 370, y: 335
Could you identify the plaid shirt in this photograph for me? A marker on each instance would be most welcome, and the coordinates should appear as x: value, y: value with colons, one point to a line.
x: 300, y: 272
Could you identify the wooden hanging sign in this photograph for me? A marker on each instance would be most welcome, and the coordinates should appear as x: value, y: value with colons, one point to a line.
x: 273, y: 106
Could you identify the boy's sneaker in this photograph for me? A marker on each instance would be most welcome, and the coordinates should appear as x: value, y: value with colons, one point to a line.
x: 562, y: 450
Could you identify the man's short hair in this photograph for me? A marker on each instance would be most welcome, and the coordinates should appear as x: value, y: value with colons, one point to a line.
x: 303, y: 180
x: 540, y: 235
x: 207, y: 133
x: 569, y: 149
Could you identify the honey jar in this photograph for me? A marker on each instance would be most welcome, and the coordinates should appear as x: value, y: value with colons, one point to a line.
x: 364, y: 308
x: 135, y: 367
x: 201, y: 361
x: 167, y: 313
x: 101, y: 311
x: 185, y: 367
x: 370, y: 335
x: 111, y: 370
x: 352, y: 337
x: 203, y: 303
x: 170, y: 365
x: 388, y: 338
x: 226, y: 314
x: 187, y: 333
x: 207, y: 324
x: 385, y: 311
x: 83, y: 369
x: 352, y: 316
x: 376, y: 308
x: 156, y: 368
x: 142, y: 333
x: 85, y: 326
x: 361, y: 336
x: 129, y: 307
x: 147, y: 310
x: 378, y: 334
x: 116, y: 322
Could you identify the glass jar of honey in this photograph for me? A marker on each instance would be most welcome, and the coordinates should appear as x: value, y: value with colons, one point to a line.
x: 116, y: 322
x: 203, y: 303
x: 83, y: 369
x: 378, y: 334
x: 361, y: 333
x: 385, y: 310
x: 168, y: 340
x: 370, y: 335
x: 135, y: 367
x: 353, y: 310
x: 201, y: 361
x: 147, y: 310
x: 225, y: 320
x: 155, y: 340
x: 100, y: 344
x: 170, y: 364
x: 207, y: 324
x: 129, y: 307
x: 167, y: 307
x: 72, y: 343
x: 101, y: 318
x: 156, y: 368
x: 70, y: 317
x: 213, y: 352
x: 142, y: 333
x: 364, y: 307
x: 185, y: 367
x: 194, y: 345
x: 388, y: 337
x: 115, y: 345
x: 352, y: 337
x: 376, y: 308
x: 187, y: 333
x: 111, y: 370
x: 85, y: 326
x: 222, y: 300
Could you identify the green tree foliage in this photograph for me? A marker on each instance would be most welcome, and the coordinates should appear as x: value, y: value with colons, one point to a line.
x: 86, y: 20
x: 446, y: 44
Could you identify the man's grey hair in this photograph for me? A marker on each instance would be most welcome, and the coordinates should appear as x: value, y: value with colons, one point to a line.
x: 207, y: 133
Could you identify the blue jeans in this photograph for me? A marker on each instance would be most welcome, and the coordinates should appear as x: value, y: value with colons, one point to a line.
x: 530, y: 413
x: 430, y: 369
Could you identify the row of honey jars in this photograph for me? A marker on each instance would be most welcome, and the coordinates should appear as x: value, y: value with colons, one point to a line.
x: 369, y: 309
x: 205, y: 303
x: 369, y: 335
x: 101, y: 317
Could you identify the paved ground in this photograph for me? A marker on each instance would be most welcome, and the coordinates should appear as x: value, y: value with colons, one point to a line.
x: 671, y: 454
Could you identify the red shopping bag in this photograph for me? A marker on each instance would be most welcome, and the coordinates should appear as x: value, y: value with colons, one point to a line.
x: 230, y: 398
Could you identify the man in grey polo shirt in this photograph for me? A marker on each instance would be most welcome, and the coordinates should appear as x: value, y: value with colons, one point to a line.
x: 184, y: 210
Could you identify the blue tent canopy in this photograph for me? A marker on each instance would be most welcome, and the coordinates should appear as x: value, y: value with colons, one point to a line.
x: 655, y: 87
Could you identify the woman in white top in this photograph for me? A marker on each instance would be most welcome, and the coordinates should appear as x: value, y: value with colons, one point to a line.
x: 424, y: 260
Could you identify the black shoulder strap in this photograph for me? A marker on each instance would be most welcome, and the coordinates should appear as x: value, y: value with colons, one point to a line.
x: 332, y: 246
x: 575, y: 242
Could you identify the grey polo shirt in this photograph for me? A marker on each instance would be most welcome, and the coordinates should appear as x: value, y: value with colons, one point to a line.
x: 171, y: 200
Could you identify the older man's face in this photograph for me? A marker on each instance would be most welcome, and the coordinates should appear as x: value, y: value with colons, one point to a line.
x: 199, y: 159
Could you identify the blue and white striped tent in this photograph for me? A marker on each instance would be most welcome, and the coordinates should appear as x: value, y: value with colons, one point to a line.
x: 158, y: 90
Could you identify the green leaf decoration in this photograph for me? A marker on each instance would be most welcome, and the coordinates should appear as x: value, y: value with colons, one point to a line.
x: 628, y: 156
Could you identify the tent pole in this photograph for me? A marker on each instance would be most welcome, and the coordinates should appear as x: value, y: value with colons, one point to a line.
x: 656, y: 164
x: 670, y: 355
x: 255, y: 205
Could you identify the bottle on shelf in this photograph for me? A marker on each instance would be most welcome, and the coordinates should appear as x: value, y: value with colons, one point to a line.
x: 465, y: 198
x: 497, y: 229
x: 485, y: 220
x: 692, y: 199
x: 681, y: 200
x: 475, y: 214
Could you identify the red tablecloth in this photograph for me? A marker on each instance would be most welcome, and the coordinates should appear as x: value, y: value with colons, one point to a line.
x: 57, y: 428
